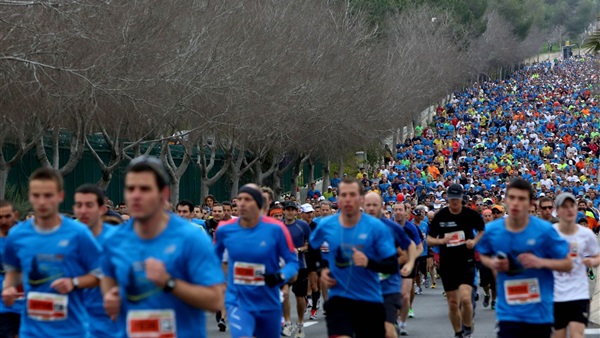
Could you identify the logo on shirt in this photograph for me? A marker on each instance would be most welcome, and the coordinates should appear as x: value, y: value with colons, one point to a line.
x: 362, y: 236
x: 170, y: 249
x: 450, y: 224
x: 45, y: 268
x: 531, y: 242
x: 138, y: 286
x: 263, y: 243
x: 63, y: 243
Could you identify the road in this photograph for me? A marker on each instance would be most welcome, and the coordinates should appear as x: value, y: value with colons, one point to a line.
x: 431, y: 320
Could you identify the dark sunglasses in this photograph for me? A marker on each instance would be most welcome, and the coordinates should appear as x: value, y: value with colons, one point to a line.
x: 546, y: 208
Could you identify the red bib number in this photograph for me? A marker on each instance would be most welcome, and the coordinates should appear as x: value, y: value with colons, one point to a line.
x: 47, y: 306
x: 151, y: 324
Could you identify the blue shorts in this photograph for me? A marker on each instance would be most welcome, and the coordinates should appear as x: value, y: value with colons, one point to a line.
x: 262, y: 324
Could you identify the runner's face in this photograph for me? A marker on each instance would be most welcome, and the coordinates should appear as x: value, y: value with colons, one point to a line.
x: 8, y: 218
x: 197, y: 213
x: 567, y: 212
x: 235, y: 211
x: 184, y: 211
x: 487, y: 217
x: 267, y: 198
x: 455, y: 204
x: 349, y: 199
x: 325, y: 210
x: 399, y: 212
x: 227, y: 212
x: 248, y: 209
x: 518, y: 203
x: 372, y: 205
x: 45, y: 198
x: 546, y: 210
x: 142, y: 195
x: 278, y: 216
x: 87, y: 210
x: 290, y: 214
x: 218, y: 213
x: 309, y: 216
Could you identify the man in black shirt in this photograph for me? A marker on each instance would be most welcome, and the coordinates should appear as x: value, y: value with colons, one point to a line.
x: 453, y: 229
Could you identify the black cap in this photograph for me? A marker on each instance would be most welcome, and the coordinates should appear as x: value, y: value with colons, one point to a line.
x: 290, y: 204
x: 417, y: 212
x: 455, y: 191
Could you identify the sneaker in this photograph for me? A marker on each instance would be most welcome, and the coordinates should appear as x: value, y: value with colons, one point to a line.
x: 468, y: 334
x: 403, y: 331
x: 222, y: 325
x: 319, y: 304
x: 486, y: 300
x: 458, y: 335
x: 313, y: 314
x: 444, y: 293
x: 493, y: 305
x: 309, y: 303
x: 418, y: 291
x: 433, y: 285
x: 287, y: 329
x: 299, y: 330
x: 426, y: 283
x: 476, y: 297
x: 411, y: 314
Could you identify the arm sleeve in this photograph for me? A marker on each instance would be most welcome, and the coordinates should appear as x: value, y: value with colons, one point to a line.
x: 556, y: 247
x: 593, y: 248
x: 484, y: 246
x: 203, y: 266
x: 383, y: 242
x: 218, y: 243
x: 286, y: 249
x: 10, y: 261
x: 387, y: 265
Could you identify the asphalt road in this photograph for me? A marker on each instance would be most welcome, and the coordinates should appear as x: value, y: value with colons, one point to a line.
x: 431, y: 320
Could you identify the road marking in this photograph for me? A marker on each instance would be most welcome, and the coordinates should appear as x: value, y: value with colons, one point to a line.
x: 310, y: 324
x: 592, y: 331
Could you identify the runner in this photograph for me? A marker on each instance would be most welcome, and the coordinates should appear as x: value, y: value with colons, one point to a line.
x: 571, y: 295
x: 391, y: 283
x: 487, y: 277
x: 452, y: 229
x: 422, y: 265
x: 408, y: 288
x: 185, y: 210
x: 360, y: 248
x: 160, y: 271
x: 300, y: 233
x: 88, y: 208
x: 57, y: 257
x: 254, y: 244
x: 10, y: 316
x: 217, y: 216
x: 313, y: 258
x: 524, y: 250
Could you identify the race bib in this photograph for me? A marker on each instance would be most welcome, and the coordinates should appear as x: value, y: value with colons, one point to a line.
x: 456, y: 238
x: 151, y: 324
x: 522, y: 291
x: 47, y: 306
x: 248, y: 273
x: 383, y: 276
x: 324, y: 247
x: 573, y: 250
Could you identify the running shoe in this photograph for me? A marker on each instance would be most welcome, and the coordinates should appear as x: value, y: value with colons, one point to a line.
x: 222, y: 325
x: 418, y: 291
x: 319, y: 304
x: 486, y: 300
x: 403, y: 331
x: 444, y: 293
x: 287, y: 329
x: 309, y: 302
x: 299, y: 331
x: 476, y: 296
x: 411, y: 314
x: 433, y: 285
x: 313, y: 314
x: 493, y: 305
x: 426, y: 283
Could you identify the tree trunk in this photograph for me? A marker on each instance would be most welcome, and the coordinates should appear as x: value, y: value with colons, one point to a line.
x: 3, y: 179
x: 204, y: 188
x: 326, y: 176
x: 104, y: 181
x: 340, y: 167
x: 277, y: 185
x: 311, y: 172
x: 295, y: 174
x: 235, y: 185
x: 174, y: 185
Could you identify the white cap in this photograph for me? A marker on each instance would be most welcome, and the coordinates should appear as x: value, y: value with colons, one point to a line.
x: 306, y: 207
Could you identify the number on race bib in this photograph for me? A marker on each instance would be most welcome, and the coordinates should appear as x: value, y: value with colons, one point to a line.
x: 456, y: 238
x: 47, y: 306
x: 151, y: 324
x: 248, y: 274
x: 522, y: 291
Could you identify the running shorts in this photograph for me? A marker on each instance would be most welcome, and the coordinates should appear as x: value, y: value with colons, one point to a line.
x: 572, y: 311
x: 359, y: 319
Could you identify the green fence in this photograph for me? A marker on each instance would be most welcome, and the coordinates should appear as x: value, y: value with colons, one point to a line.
x: 87, y: 170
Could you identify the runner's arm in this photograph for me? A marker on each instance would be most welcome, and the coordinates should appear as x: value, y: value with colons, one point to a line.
x: 418, y: 250
x: 560, y: 265
x: 412, y: 252
x: 107, y: 283
x: 432, y: 241
x: 210, y: 298
x: 12, y: 278
x: 387, y: 265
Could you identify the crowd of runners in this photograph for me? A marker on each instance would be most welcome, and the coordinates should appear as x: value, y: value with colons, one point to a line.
x: 499, y: 192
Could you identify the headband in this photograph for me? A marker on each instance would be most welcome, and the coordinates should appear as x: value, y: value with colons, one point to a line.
x: 256, y: 195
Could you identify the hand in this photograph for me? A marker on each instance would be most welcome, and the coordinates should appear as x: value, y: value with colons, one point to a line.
x: 588, y: 262
x: 156, y: 272
x: 360, y: 259
x: 407, y: 269
x: 500, y: 265
x: 470, y: 244
x: 112, y: 302
x: 530, y: 261
x: 273, y: 279
x: 326, y: 279
x: 446, y: 239
x: 9, y: 295
x: 63, y: 285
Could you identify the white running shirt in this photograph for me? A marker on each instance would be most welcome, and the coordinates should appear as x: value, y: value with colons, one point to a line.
x: 574, y: 285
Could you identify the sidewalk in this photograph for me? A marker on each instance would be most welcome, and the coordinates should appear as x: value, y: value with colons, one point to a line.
x: 595, y: 302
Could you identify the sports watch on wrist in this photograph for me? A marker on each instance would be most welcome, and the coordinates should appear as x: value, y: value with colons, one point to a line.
x: 75, y: 282
x: 170, y: 285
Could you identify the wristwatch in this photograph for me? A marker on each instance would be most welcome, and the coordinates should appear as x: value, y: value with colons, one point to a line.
x: 170, y: 285
x: 75, y: 282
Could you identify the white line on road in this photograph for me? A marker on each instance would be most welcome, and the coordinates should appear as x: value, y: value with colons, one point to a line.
x: 310, y: 324
x: 592, y: 331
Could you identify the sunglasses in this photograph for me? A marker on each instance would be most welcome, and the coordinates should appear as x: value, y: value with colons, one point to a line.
x: 546, y: 208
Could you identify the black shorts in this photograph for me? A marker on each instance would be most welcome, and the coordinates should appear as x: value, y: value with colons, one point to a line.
x: 524, y: 330
x: 9, y: 324
x: 573, y: 311
x: 421, y: 265
x: 413, y: 273
x: 486, y: 276
x: 359, y: 319
x: 457, y: 275
x: 392, y: 303
x: 300, y: 286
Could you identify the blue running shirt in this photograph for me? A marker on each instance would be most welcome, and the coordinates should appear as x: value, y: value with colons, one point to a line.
x: 19, y: 304
x: 392, y: 283
x: 524, y: 295
x: 253, y: 252
x: 44, y: 256
x: 188, y: 255
x: 369, y: 235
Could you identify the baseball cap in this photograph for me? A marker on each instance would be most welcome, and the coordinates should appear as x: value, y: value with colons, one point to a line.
x: 455, y: 191
x: 563, y: 197
x: 289, y: 204
x: 498, y: 207
x: 306, y: 207
x: 417, y: 212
